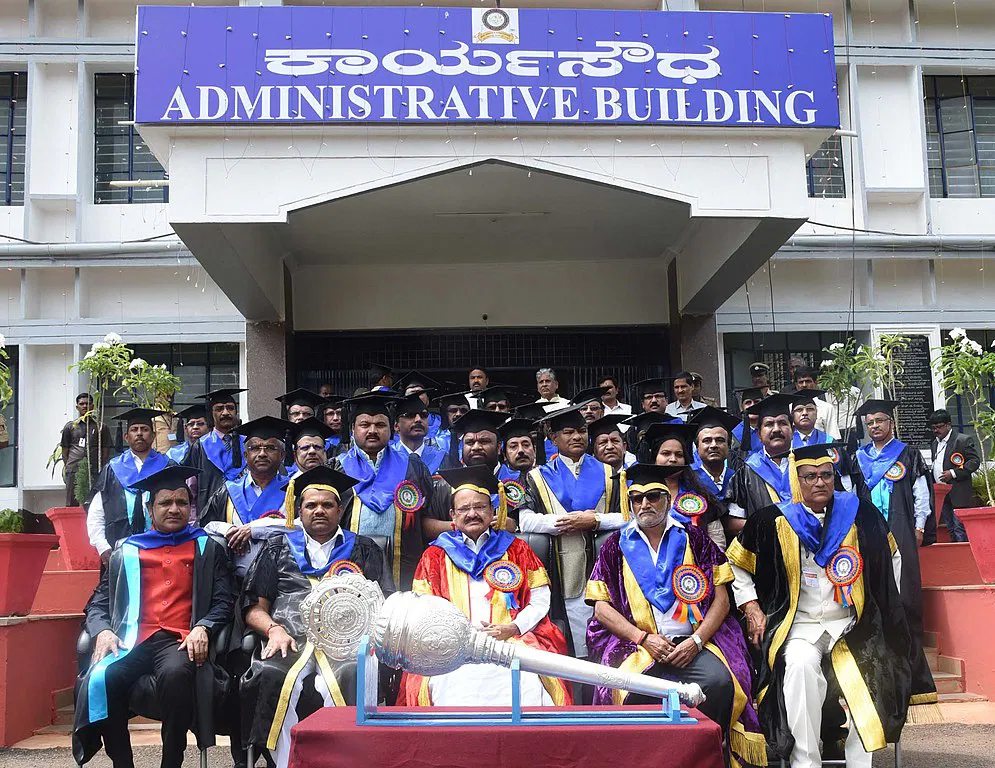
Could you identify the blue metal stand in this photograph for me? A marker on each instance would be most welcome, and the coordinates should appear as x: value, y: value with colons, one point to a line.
x: 368, y: 713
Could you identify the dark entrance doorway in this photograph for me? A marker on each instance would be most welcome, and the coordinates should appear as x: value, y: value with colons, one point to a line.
x: 579, y: 355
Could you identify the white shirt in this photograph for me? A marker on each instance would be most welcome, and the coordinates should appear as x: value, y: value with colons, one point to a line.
x: 666, y: 624
x: 676, y: 409
x: 619, y: 408
x: 940, y: 456
x: 319, y: 553
x: 417, y: 451
x: 95, y: 515
x: 531, y: 521
x: 554, y: 403
x: 920, y: 491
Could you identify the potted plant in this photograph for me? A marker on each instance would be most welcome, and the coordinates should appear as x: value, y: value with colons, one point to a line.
x: 966, y: 369
x: 22, y: 562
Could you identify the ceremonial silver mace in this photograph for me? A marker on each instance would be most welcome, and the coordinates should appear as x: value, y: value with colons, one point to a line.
x: 428, y: 635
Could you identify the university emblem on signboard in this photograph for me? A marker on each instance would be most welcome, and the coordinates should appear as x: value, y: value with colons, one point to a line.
x: 495, y: 25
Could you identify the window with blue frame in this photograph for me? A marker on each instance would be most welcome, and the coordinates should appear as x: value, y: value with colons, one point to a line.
x: 960, y: 135
x: 14, y: 121
x: 825, y: 170
x: 119, y: 153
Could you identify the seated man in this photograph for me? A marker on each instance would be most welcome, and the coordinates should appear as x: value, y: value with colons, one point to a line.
x: 411, y: 431
x: 162, y: 598
x: 290, y: 678
x: 817, y: 577
x: 500, y: 585
x: 661, y: 608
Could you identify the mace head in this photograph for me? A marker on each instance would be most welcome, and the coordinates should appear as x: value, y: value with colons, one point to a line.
x: 339, y: 611
x: 423, y: 634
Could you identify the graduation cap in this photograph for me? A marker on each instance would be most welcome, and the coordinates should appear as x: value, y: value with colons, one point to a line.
x: 649, y: 477
x: 759, y: 369
x: 516, y: 427
x: 169, y: 478
x: 378, y: 371
x: 564, y: 418
x: 531, y: 411
x: 410, y: 404
x: 310, y: 428
x: 773, y: 405
x: 370, y: 403
x: 808, y: 456
x: 301, y: 397
x: 195, y: 411
x: 804, y: 396
x: 642, y: 421
x: 480, y: 479
x: 587, y: 395
x: 497, y: 393
x: 221, y: 396
x: 416, y: 379
x: 140, y: 416
x: 453, y: 398
x: 652, y: 386
x: 710, y: 416
x: 749, y: 393
x: 478, y: 420
x: 605, y: 425
x: 876, y: 405
x: 658, y: 433
x: 265, y: 428
x: 321, y: 477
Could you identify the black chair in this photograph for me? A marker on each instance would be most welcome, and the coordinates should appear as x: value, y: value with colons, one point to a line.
x: 542, y: 545
x: 143, y: 702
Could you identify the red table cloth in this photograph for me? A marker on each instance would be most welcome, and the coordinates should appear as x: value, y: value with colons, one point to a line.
x: 330, y: 737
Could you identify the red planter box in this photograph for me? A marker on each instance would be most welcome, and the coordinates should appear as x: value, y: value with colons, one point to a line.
x: 22, y: 561
x: 980, y: 525
x: 77, y: 552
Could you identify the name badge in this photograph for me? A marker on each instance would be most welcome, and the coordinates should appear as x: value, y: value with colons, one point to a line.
x: 811, y: 577
x: 82, y: 442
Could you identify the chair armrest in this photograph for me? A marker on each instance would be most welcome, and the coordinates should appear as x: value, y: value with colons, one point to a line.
x: 84, y: 643
x: 250, y: 642
x: 222, y: 639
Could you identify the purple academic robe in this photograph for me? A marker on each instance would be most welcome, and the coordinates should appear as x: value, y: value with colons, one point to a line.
x: 608, y: 583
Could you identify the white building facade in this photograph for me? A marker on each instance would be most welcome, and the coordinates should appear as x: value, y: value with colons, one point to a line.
x: 262, y: 235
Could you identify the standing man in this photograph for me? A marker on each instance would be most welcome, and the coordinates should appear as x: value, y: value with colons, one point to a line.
x: 80, y: 440
x: 685, y: 404
x: 193, y: 423
x: 589, y: 402
x: 712, y: 442
x: 816, y: 579
x: 451, y: 407
x: 478, y: 380
x: 331, y: 415
x: 218, y: 454
x: 896, y: 476
x: 417, y: 383
x: 308, y: 439
x: 326, y: 391
x: 696, y: 384
x: 608, y: 444
x: 609, y: 385
x: 763, y: 480
x: 806, y: 382
x: 411, y: 424
x: 391, y: 489
x: 164, y: 596
x: 760, y: 378
x: 117, y: 509
x: 300, y: 404
x: 518, y: 455
x: 955, y: 459
x: 381, y: 378
x: 804, y: 416
x: 571, y: 497
x: 496, y: 398
x: 748, y: 397
x: 547, y: 386
x: 652, y: 394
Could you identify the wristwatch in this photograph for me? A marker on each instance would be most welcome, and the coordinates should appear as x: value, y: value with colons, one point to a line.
x: 597, y: 521
x: 698, y: 641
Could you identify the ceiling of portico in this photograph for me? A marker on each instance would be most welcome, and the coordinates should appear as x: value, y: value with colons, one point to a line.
x: 490, y: 212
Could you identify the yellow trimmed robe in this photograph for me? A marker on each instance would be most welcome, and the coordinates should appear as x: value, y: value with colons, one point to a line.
x: 486, y: 684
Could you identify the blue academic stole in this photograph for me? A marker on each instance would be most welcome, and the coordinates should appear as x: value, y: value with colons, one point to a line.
x: 214, y: 446
x: 298, y: 548
x: 431, y: 455
x: 874, y: 470
x: 578, y: 493
x: 269, y: 500
x: 434, y: 425
x: 375, y: 487
x: 96, y: 686
x: 771, y: 474
x: 823, y: 542
x: 817, y: 437
x: 178, y: 452
x: 755, y: 444
x: 505, y: 473
x: 551, y: 450
x: 333, y: 442
x: 709, y: 483
x: 123, y: 467
x: 656, y: 580
x: 468, y: 561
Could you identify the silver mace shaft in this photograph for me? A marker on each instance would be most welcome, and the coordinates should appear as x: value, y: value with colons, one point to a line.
x: 428, y: 635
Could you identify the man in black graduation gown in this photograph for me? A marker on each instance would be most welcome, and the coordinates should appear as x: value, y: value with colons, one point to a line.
x: 309, y: 439
x: 300, y: 404
x: 162, y: 599
x: 895, y: 478
x: 518, y: 450
x: 116, y: 508
x: 391, y: 490
x: 289, y: 679
x: 816, y: 577
x: 218, y: 454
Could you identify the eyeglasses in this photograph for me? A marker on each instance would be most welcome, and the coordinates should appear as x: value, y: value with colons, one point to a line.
x: 653, y: 497
x: 811, y: 478
x: 478, y: 508
x: 877, y: 422
x: 263, y: 448
x: 309, y: 448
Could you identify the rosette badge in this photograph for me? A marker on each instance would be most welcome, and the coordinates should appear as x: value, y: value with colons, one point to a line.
x: 690, y: 587
x: 691, y: 504
x: 514, y: 491
x: 408, y: 499
x: 843, y: 570
x: 504, y: 579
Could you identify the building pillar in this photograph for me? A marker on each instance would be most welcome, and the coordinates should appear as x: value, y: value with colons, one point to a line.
x: 699, y: 342
x: 266, y: 368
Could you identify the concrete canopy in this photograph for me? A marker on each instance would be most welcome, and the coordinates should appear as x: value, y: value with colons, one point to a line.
x: 249, y: 202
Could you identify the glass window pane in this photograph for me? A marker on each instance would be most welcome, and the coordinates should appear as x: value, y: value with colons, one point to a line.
x: 962, y: 182
x: 955, y: 114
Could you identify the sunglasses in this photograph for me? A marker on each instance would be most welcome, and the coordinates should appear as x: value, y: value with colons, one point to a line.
x: 653, y: 497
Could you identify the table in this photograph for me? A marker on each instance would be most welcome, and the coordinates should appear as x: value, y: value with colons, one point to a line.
x: 331, y: 738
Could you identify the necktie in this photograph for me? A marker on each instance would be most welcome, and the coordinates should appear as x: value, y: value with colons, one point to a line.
x: 226, y: 440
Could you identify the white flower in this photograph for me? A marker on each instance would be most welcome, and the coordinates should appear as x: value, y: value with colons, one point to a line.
x: 89, y: 354
x: 958, y: 333
x: 975, y: 347
x: 137, y: 363
x: 826, y: 364
x: 880, y: 358
x: 99, y: 345
x: 835, y: 347
x: 3, y: 341
x: 112, y: 338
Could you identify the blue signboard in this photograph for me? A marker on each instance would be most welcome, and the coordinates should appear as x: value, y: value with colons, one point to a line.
x: 367, y: 65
